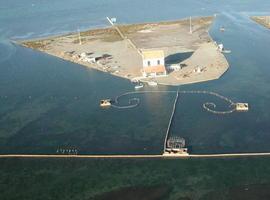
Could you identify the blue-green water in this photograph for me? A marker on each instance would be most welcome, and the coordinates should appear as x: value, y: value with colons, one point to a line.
x: 47, y: 103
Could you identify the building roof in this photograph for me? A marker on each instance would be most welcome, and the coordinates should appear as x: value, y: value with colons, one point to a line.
x: 155, y: 69
x: 150, y: 54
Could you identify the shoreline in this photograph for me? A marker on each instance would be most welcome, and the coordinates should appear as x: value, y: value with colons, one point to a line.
x: 94, y: 28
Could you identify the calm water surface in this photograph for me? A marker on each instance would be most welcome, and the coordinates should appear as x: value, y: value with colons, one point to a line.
x: 47, y: 103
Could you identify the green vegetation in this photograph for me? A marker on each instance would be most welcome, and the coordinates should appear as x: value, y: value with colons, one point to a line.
x: 143, y: 179
x: 36, y: 44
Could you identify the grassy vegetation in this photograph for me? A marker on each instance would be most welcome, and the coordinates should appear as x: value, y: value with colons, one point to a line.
x: 110, y: 34
x: 37, y: 44
x: 131, y: 28
x: 104, y: 179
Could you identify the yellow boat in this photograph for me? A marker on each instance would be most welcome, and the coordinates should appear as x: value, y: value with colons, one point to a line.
x: 105, y: 103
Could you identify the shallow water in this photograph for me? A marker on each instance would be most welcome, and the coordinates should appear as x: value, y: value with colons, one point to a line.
x: 47, y: 103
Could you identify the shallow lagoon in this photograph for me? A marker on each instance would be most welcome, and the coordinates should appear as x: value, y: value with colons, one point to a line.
x: 48, y: 103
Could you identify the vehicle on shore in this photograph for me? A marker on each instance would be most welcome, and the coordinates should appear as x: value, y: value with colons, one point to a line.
x: 152, y: 83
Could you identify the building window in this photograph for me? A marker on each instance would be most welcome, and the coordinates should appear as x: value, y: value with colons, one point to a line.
x: 148, y: 63
x: 158, y: 62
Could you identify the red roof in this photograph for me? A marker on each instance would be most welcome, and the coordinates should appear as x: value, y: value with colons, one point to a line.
x: 154, y: 69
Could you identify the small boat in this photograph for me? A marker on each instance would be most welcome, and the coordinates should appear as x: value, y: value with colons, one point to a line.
x: 222, y: 29
x: 152, y: 83
x: 226, y: 51
x: 139, y: 86
x: 105, y: 103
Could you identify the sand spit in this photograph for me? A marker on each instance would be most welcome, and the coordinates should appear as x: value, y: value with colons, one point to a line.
x: 263, y: 20
x: 196, y: 53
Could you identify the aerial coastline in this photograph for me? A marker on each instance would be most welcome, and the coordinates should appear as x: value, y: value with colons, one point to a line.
x: 186, y: 44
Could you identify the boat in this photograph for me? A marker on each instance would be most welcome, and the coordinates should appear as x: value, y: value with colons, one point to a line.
x: 105, y: 103
x: 226, y: 51
x: 139, y: 86
x: 241, y: 107
x: 152, y: 83
x: 222, y: 29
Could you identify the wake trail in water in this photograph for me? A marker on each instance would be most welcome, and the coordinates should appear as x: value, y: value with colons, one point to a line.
x: 7, y: 49
x: 242, y: 20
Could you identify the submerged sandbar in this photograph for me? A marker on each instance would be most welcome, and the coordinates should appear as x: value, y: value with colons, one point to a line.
x: 187, y: 45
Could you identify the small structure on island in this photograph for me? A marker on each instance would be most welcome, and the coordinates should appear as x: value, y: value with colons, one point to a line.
x: 197, y: 70
x: 220, y: 47
x: 153, y: 63
x: 174, y: 67
x: 241, y: 107
x: 105, y: 103
x: 175, y: 146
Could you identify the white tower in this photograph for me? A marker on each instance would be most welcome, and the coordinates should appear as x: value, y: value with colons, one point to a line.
x: 190, y: 25
x: 79, y: 36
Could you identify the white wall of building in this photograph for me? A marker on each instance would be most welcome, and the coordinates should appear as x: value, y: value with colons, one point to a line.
x: 153, y: 62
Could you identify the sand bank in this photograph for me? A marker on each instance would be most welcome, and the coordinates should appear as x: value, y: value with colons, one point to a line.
x: 263, y: 20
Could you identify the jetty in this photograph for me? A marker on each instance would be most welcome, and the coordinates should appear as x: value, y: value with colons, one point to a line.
x: 170, y: 122
x: 171, y: 156
x: 173, y: 147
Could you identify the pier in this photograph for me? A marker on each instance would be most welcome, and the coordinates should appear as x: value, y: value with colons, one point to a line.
x: 170, y: 122
x: 178, y: 147
x: 153, y: 156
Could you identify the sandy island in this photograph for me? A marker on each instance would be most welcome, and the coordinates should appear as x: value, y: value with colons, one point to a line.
x: 263, y: 20
x: 120, y: 53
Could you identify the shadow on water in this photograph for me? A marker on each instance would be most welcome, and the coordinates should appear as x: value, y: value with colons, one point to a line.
x: 177, y: 58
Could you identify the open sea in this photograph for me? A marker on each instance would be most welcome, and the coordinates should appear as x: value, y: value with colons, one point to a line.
x: 47, y: 104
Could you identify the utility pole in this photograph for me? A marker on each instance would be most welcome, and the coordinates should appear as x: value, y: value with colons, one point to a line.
x: 190, y: 25
x: 79, y: 35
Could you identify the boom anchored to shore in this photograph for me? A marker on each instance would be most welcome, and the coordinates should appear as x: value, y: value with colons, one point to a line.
x: 175, y: 146
x: 133, y: 102
x: 208, y: 106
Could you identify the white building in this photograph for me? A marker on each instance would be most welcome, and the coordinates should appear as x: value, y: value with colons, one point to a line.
x: 153, y: 63
x: 174, y: 67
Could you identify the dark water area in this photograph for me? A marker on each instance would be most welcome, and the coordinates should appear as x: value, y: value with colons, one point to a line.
x: 189, y: 179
